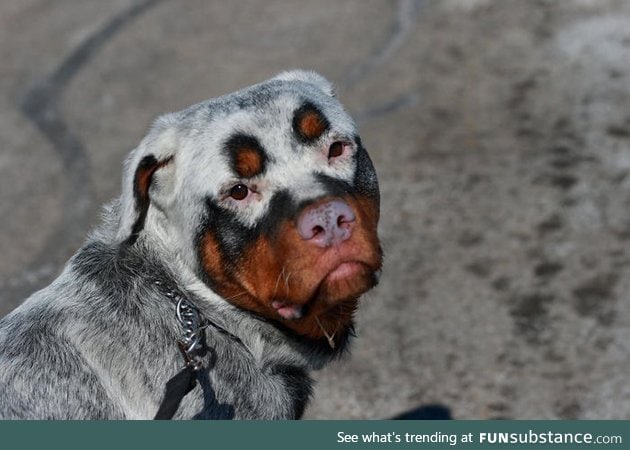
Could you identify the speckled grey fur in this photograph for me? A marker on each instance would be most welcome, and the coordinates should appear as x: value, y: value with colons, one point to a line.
x: 99, y: 342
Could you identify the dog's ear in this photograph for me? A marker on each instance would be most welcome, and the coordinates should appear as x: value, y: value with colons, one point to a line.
x: 308, y: 76
x: 156, y: 153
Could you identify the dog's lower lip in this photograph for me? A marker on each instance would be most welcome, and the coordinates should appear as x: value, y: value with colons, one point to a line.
x: 345, y: 270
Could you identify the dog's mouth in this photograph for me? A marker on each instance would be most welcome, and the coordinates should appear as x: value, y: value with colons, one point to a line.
x: 344, y: 282
x: 329, y: 310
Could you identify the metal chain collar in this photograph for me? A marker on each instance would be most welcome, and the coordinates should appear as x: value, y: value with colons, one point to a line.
x: 190, y: 343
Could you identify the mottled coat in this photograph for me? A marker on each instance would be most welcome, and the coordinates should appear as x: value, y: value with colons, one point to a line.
x: 214, y: 205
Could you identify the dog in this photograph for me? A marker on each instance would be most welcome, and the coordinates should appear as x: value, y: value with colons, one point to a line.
x: 244, y: 236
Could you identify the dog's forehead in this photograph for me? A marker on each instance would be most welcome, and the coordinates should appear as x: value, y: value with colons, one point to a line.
x: 265, y: 108
x: 274, y: 115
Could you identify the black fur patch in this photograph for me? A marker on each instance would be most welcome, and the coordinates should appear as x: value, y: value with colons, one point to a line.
x: 299, y: 384
x: 365, y: 181
x: 233, y: 237
x: 334, y: 187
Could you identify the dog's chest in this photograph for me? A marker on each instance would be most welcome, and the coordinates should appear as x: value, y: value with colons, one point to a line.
x: 235, y: 384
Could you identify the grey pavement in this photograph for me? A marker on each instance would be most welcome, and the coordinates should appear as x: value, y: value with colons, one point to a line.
x: 500, y: 131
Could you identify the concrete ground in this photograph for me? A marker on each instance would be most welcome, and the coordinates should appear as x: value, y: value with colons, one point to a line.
x: 500, y: 131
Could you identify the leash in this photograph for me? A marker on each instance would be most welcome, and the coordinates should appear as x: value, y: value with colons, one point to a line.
x: 190, y: 346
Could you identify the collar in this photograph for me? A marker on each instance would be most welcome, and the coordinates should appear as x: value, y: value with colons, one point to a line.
x: 190, y: 342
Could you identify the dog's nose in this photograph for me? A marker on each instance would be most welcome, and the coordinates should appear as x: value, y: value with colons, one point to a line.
x: 327, y: 224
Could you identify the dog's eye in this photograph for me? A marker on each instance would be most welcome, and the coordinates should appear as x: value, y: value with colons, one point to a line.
x: 239, y: 192
x: 336, y: 149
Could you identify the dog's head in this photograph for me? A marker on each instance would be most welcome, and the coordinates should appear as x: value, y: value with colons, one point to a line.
x: 269, y: 196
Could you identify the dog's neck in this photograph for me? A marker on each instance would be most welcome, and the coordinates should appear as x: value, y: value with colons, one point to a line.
x: 265, y: 340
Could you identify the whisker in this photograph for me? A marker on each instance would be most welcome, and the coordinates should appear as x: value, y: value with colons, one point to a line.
x: 237, y: 295
x: 329, y: 337
x: 275, y: 291
x: 286, y: 280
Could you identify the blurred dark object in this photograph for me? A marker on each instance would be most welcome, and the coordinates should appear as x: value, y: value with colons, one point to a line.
x: 427, y: 412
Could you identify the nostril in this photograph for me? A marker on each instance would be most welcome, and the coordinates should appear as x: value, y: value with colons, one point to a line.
x: 318, y: 230
x: 343, y: 220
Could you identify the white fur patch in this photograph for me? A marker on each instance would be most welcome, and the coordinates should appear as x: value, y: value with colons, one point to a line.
x: 195, y: 140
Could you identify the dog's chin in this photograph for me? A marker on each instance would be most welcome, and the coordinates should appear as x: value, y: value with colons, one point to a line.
x: 330, y: 310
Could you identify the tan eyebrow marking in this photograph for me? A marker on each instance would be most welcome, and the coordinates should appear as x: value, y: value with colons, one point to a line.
x: 309, y: 123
